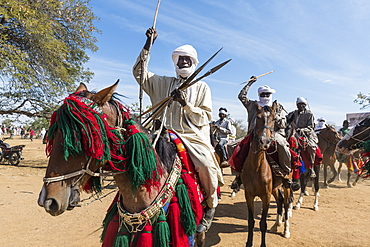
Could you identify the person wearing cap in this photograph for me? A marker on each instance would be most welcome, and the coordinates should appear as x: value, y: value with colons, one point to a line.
x: 320, y: 124
x: 188, y: 116
x: 223, y: 130
x: 302, y: 122
x: 265, y: 99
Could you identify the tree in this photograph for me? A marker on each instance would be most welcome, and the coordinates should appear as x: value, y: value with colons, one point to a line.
x: 363, y: 100
x: 241, y: 130
x: 43, y: 47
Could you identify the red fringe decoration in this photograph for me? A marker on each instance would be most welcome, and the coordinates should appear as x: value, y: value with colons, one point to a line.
x: 195, y: 202
x: 178, y: 235
x: 240, y: 154
x: 145, y: 237
x: 111, y: 232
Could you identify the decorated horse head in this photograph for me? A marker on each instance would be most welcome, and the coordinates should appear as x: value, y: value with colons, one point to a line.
x: 355, y: 137
x: 92, y: 135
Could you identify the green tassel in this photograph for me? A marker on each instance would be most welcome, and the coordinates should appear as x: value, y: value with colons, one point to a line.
x: 121, y: 241
x: 108, y: 218
x: 161, y: 232
x: 142, y: 162
x: 186, y: 212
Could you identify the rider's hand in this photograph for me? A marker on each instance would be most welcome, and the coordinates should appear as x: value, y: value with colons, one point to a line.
x: 252, y: 80
x: 151, y: 36
x: 179, y: 96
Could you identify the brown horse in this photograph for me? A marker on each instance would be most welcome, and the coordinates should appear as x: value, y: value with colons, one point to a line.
x: 65, y: 178
x: 328, y: 139
x: 258, y: 179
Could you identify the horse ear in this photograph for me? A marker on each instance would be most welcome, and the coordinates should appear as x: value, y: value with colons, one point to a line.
x: 105, y: 95
x: 81, y: 87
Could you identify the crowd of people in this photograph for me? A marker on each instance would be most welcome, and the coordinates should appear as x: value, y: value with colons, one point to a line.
x: 24, y: 133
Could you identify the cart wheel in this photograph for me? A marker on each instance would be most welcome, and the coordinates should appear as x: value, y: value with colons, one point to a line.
x: 14, y: 159
x: 1, y: 156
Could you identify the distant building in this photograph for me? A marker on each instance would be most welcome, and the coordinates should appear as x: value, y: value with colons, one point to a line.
x: 354, y: 118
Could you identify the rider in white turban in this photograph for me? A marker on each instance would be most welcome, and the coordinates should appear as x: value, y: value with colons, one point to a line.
x: 188, y: 116
x: 265, y: 96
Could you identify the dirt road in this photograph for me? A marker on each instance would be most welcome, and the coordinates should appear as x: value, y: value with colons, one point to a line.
x: 342, y: 219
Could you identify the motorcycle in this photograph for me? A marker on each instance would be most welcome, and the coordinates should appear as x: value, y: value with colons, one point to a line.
x: 11, y: 154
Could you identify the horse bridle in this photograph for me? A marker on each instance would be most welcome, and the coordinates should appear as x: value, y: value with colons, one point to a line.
x: 87, y: 170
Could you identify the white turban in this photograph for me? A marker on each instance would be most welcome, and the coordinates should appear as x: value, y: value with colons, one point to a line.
x: 265, y: 101
x: 222, y: 112
x: 301, y: 100
x: 185, y: 50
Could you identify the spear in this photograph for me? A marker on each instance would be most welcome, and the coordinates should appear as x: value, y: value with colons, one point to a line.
x: 186, y: 82
x: 257, y: 77
x: 165, y: 102
x: 143, y: 65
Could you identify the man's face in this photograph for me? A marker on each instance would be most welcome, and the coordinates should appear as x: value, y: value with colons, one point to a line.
x: 265, y: 95
x: 222, y: 115
x: 301, y: 107
x: 184, y: 62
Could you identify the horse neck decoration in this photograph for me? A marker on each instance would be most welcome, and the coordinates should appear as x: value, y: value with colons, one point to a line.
x: 91, y: 131
x: 258, y: 179
x: 355, y: 137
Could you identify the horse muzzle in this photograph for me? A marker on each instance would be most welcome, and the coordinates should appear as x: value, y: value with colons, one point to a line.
x: 56, y: 202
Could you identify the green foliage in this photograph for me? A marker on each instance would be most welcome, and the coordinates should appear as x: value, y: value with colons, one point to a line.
x: 42, y: 52
x: 363, y: 100
x: 241, y: 130
x: 38, y: 123
x: 7, y: 122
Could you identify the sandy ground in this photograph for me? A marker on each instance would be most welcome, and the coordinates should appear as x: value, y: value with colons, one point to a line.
x: 342, y: 219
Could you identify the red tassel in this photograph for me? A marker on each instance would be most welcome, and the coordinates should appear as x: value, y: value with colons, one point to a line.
x: 178, y: 235
x: 195, y: 202
x: 110, y: 235
x: 145, y: 237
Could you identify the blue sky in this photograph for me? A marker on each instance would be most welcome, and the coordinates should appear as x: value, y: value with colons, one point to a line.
x: 317, y: 49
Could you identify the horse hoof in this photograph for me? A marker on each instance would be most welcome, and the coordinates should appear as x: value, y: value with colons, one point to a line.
x: 274, y: 228
x: 326, y: 186
x: 233, y: 194
x: 316, y: 208
x: 340, y: 180
x: 306, y: 193
x: 296, y: 207
x: 330, y: 181
x: 287, y: 235
x: 349, y: 185
x: 354, y: 183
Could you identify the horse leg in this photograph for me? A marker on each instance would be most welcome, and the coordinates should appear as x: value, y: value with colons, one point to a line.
x: 349, y: 185
x: 303, y: 189
x: 263, y: 221
x: 250, y: 204
x: 325, y: 175
x: 279, y: 205
x: 332, y: 167
x: 200, y: 239
x: 339, y: 169
x: 287, y: 211
x: 316, y: 182
x: 356, y: 180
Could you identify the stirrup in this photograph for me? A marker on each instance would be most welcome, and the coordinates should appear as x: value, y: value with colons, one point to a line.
x: 206, y: 222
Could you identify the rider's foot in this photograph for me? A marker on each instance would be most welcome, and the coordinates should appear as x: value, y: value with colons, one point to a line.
x: 313, y: 174
x: 224, y: 164
x: 206, y: 222
x: 295, y: 185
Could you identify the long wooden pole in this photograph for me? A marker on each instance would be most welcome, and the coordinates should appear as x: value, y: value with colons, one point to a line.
x: 143, y: 63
